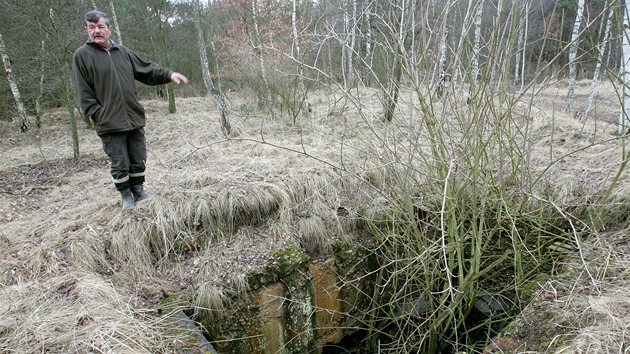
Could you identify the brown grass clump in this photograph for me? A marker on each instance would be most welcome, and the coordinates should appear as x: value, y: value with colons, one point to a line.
x: 79, y: 312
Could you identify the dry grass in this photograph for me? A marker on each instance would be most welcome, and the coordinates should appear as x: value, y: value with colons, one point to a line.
x: 571, y: 313
x: 79, y: 275
x: 79, y: 312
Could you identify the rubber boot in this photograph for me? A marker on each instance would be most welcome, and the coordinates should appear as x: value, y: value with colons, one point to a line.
x: 127, y: 199
x: 138, y: 192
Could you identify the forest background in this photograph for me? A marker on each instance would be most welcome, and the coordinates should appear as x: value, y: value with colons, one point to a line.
x: 256, y: 45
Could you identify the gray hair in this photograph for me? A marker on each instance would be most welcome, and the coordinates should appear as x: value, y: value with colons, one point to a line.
x: 95, y: 15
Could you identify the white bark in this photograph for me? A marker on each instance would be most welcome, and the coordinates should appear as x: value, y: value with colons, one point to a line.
x: 346, y: 39
x: 519, y: 51
x: 203, y: 55
x: 500, y: 68
x: 23, y: 119
x: 40, y: 93
x: 477, y: 41
x: 600, y: 57
x: 414, y: 70
x: 440, y: 67
x: 296, y: 39
x: 401, y: 23
x: 348, y: 29
x: 442, y: 62
x: 368, y: 34
x: 573, y: 47
x: 460, y: 46
x: 259, y: 50
x: 624, y: 121
x: 353, y: 39
x: 524, y: 52
x: 115, y: 20
x: 205, y: 71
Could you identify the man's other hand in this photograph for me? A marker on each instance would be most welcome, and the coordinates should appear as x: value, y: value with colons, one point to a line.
x: 178, y: 78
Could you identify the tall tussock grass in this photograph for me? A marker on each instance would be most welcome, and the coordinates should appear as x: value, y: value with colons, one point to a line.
x: 161, y: 227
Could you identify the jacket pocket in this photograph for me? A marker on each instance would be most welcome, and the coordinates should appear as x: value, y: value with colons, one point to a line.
x: 106, y: 122
x: 97, y: 114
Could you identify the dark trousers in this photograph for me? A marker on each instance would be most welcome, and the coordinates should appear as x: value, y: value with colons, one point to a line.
x: 127, y: 153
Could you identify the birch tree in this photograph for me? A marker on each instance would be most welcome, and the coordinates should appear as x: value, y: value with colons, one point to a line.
x: 400, y: 42
x: 624, y: 120
x: 460, y: 46
x: 352, y: 41
x: 573, y: 47
x: 346, y: 54
x: 476, y: 44
x: 441, y: 62
x: 259, y: 51
x: 523, y: 56
x: 40, y: 93
x: 22, y: 117
x: 506, y: 21
x: 368, y: 36
x: 205, y: 70
x: 600, y: 58
x: 294, y: 32
x: 521, y: 52
x: 114, y: 19
x: 70, y: 105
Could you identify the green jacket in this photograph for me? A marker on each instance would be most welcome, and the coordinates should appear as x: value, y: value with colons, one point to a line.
x: 104, y: 84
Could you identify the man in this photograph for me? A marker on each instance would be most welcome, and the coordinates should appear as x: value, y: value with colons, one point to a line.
x: 104, y: 83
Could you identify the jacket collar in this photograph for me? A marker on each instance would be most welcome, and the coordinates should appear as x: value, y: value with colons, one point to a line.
x: 91, y: 43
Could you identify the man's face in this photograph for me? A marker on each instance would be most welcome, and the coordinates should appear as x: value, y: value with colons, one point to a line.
x: 99, y: 32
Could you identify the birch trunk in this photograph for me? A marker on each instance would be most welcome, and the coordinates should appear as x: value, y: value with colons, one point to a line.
x: 115, y: 21
x: 460, y: 45
x: 500, y: 72
x: 600, y: 58
x: 296, y: 39
x: 477, y: 41
x: 521, y: 46
x: 353, y: 37
x: 368, y: 39
x: 261, y: 58
x: 23, y: 119
x: 207, y: 80
x: 40, y: 92
x: 519, y: 51
x: 524, y: 52
x: 391, y: 99
x: 216, y: 66
x: 573, y: 47
x: 441, y: 63
x: 70, y: 105
x: 345, y: 52
x: 624, y: 120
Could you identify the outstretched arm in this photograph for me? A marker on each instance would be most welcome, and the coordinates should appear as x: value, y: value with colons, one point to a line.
x: 178, y: 78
